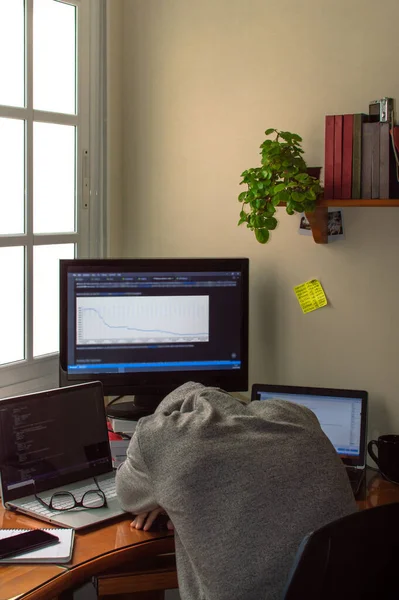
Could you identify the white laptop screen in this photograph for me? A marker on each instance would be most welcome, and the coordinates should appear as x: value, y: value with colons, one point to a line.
x: 52, y: 438
x: 339, y: 418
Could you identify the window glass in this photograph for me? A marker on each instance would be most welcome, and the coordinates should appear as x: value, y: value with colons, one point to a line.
x: 12, y: 52
x: 53, y: 178
x: 12, y: 176
x: 54, y: 56
x: 12, y: 318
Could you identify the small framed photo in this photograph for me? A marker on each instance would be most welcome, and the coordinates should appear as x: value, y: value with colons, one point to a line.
x: 335, y: 224
x: 304, y: 226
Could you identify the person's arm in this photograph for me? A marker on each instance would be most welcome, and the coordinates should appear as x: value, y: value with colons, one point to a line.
x: 134, y: 489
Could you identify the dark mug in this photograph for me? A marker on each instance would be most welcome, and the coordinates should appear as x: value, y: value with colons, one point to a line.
x: 388, y: 456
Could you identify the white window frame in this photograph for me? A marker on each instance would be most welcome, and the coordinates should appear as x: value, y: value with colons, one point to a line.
x: 34, y: 374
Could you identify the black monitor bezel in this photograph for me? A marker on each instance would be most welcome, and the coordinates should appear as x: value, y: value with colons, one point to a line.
x: 153, y: 384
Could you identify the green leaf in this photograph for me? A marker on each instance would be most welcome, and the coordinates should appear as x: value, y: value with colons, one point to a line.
x: 276, y: 200
x: 283, y: 196
x: 271, y: 223
x: 259, y: 203
x: 278, y: 188
x: 297, y: 206
x: 269, y: 131
x: 286, y: 135
x: 289, y: 209
x: 302, y: 177
x: 297, y: 197
x: 262, y: 235
x: 242, y: 196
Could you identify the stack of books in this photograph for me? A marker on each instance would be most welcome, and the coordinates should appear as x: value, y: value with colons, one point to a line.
x: 359, y: 160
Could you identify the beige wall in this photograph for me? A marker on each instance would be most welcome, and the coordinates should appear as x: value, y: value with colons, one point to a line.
x: 200, y: 83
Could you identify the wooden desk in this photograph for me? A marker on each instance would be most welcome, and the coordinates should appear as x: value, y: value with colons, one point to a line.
x: 118, y: 556
x: 96, y: 551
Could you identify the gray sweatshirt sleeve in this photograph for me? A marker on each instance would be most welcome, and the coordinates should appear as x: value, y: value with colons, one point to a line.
x: 134, y: 488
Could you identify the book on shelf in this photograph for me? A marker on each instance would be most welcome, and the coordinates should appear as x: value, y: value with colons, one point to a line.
x: 358, y: 120
x: 379, y: 168
x: 367, y: 158
x: 347, y: 156
x: 389, y: 185
x: 56, y: 553
x: 329, y: 157
x: 384, y: 160
x: 360, y: 161
x: 338, y: 160
x: 338, y: 138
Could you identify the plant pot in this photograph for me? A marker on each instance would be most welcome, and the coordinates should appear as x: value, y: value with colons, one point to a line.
x: 314, y: 171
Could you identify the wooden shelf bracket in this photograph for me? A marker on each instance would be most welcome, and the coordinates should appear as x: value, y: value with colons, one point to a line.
x: 318, y: 220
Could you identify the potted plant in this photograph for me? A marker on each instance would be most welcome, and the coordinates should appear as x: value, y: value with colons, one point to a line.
x: 282, y: 178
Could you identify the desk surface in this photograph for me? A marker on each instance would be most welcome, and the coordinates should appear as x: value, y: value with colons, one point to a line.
x: 95, y: 551
x: 115, y: 544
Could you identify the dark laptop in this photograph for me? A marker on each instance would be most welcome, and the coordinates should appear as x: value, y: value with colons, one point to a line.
x: 342, y: 415
x: 55, y: 441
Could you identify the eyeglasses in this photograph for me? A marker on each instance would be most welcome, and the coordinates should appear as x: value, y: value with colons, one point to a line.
x: 66, y: 500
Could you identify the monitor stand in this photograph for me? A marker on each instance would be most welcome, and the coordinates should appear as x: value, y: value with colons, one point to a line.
x: 132, y: 410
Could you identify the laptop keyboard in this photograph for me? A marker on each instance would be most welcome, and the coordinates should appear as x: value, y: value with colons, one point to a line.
x: 107, y: 487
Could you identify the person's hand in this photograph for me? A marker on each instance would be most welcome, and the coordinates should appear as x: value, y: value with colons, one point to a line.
x: 146, y: 519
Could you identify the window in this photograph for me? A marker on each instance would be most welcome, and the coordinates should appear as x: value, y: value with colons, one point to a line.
x: 50, y: 189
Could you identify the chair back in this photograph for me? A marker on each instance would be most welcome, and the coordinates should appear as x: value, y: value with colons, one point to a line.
x: 355, y: 558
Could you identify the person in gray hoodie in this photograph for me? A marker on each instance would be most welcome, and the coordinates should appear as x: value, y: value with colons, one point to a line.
x: 241, y: 483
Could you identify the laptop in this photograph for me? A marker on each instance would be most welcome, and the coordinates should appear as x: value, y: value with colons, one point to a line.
x: 342, y: 415
x: 53, y: 441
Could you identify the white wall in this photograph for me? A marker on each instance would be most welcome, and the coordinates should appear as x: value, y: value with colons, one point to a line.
x: 200, y: 83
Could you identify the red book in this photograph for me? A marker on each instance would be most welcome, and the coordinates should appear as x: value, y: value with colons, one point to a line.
x: 347, y: 145
x: 338, y: 130
x: 329, y: 158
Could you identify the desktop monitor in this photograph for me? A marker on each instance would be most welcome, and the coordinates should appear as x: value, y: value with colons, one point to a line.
x: 144, y: 326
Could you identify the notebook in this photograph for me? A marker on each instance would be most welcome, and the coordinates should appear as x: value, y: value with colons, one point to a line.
x: 342, y: 415
x: 57, y: 553
x: 52, y: 441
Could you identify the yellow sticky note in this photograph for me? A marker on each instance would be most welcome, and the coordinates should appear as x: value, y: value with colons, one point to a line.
x: 310, y: 295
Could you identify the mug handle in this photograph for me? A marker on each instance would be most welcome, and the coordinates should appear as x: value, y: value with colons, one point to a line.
x: 371, y: 451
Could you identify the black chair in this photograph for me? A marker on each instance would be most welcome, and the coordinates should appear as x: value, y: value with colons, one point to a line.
x: 353, y: 558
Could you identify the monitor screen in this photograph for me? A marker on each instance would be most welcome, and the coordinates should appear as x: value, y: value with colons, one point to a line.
x: 339, y: 418
x: 146, y: 326
x: 342, y: 414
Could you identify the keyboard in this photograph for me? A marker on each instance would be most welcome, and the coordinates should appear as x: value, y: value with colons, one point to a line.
x: 108, y: 487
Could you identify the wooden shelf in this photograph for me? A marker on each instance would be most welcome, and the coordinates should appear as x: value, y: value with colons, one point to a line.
x: 319, y: 218
x: 362, y: 202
